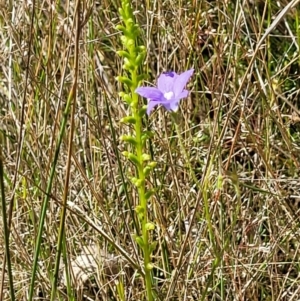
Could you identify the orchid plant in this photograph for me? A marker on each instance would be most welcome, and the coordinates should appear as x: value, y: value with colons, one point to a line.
x: 170, y: 90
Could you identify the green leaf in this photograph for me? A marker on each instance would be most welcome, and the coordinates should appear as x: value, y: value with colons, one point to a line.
x: 149, y: 193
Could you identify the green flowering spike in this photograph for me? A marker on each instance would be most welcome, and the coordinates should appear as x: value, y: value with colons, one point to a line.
x: 128, y: 119
x: 149, y: 193
x: 133, y: 56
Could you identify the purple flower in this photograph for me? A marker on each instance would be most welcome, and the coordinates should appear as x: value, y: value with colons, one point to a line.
x: 169, y: 91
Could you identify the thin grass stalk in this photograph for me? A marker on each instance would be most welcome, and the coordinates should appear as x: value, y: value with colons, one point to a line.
x: 70, y: 290
x: 6, y: 229
x: 61, y: 233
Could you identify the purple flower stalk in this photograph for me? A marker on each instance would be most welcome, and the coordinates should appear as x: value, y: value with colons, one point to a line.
x: 170, y: 90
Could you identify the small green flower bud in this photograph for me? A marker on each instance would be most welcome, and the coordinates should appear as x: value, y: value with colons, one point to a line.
x: 140, y: 212
x: 150, y: 226
x: 130, y: 43
x: 123, y: 53
x: 152, y: 246
x: 147, y: 135
x: 130, y: 140
x: 141, y: 48
x: 147, y: 171
x: 139, y: 183
x: 128, y: 119
x: 143, y: 111
x: 127, y: 97
x: 149, y: 266
x: 125, y: 154
x: 121, y: 28
x: 130, y: 22
x: 139, y: 59
x: 133, y: 180
x: 133, y: 158
x: 124, y: 80
x: 140, y: 241
x: 146, y: 157
x: 121, y: 11
x: 139, y: 209
x: 152, y: 164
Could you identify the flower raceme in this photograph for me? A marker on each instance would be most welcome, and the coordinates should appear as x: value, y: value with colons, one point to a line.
x: 170, y: 90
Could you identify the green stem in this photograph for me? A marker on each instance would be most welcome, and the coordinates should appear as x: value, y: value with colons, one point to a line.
x: 5, y: 229
x: 141, y: 191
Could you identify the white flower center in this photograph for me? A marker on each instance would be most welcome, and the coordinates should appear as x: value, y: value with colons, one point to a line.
x: 168, y: 95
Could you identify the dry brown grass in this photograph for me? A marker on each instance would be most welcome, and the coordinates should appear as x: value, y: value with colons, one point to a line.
x: 241, y: 136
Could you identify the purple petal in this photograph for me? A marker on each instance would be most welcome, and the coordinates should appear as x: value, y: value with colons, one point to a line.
x: 167, y: 106
x: 183, y: 94
x: 151, y: 105
x: 151, y: 93
x: 165, y: 82
x: 174, y: 105
x: 181, y: 81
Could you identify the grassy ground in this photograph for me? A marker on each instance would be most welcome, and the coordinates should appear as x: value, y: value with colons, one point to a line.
x: 239, y: 157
